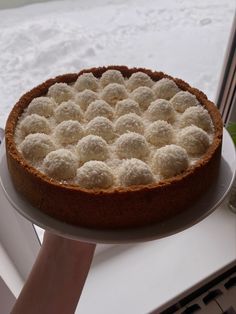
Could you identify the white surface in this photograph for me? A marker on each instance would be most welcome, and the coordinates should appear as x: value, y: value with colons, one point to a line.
x: 184, y: 38
x: 9, y: 273
x: 19, y: 246
x: 138, y: 278
x: 198, y: 211
x: 7, y: 298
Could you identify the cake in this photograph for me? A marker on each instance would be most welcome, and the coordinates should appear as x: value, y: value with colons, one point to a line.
x: 113, y: 147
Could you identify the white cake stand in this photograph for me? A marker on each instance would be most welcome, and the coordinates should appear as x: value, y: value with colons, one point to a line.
x: 192, y: 215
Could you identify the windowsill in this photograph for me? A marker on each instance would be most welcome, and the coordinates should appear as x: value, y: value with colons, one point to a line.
x: 9, y: 273
x: 141, y: 277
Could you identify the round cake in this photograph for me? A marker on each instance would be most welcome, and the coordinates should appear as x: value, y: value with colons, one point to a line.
x: 113, y: 147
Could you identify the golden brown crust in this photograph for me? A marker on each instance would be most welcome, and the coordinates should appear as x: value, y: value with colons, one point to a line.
x: 115, y: 207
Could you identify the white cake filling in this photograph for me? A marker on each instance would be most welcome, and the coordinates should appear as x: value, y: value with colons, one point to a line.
x: 197, y: 116
x: 138, y: 79
x: 36, y: 146
x: 43, y: 106
x: 61, y: 92
x: 127, y: 106
x: 114, y: 131
x: 92, y: 147
x: 101, y: 126
x: 159, y: 133
x: 160, y: 109
x: 68, y: 132
x: 86, y: 81
x: 143, y: 96
x: 111, y: 76
x: 68, y: 110
x: 132, y: 145
x: 84, y: 98
x: 60, y: 164
x: 170, y: 160
x: 194, y: 140
x: 183, y: 100
x: 113, y: 93
x: 135, y: 172
x: 99, y: 108
x: 94, y: 174
x: 129, y: 123
x: 34, y: 124
x: 165, y: 89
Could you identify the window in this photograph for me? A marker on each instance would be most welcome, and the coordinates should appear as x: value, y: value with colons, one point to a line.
x: 226, y: 98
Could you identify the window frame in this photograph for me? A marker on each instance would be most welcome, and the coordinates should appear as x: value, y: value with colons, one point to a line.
x: 226, y: 96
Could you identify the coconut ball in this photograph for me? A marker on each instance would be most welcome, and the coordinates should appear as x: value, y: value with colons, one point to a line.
x: 94, y: 174
x: 170, y: 160
x: 111, y: 76
x: 143, y: 96
x: 84, y: 98
x: 36, y: 146
x: 165, y: 88
x: 129, y: 123
x: 127, y: 106
x: 113, y: 93
x: 60, y: 164
x: 194, y: 140
x: 160, y: 109
x: 135, y: 172
x: 86, y: 81
x: 68, y: 110
x: 34, y: 124
x: 132, y: 145
x: 183, y: 100
x: 60, y: 92
x: 99, y: 108
x: 43, y: 106
x: 101, y: 126
x: 138, y: 79
x: 68, y: 132
x: 92, y: 147
x: 159, y: 133
x: 197, y: 116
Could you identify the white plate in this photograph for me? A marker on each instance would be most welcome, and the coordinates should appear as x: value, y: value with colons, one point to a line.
x: 198, y: 211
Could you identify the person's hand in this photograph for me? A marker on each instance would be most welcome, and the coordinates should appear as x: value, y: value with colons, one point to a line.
x: 57, y: 278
